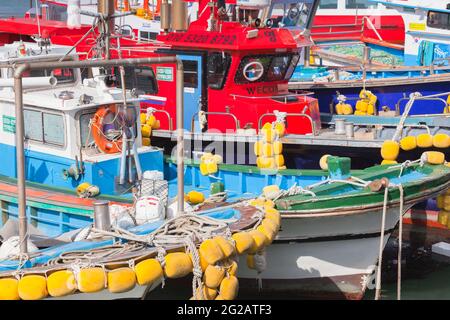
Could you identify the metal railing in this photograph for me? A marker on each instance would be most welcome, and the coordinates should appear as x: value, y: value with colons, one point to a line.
x: 313, y: 125
x: 168, y: 117
x: 236, y: 121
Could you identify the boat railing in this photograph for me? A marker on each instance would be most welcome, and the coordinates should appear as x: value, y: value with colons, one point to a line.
x: 284, y: 97
x: 433, y: 98
x: 236, y: 121
x: 169, y: 118
x: 313, y: 126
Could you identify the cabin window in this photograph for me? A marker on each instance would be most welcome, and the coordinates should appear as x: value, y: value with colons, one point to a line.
x: 438, y: 20
x: 328, y: 4
x: 147, y: 35
x: 266, y: 68
x: 141, y: 78
x: 63, y: 75
x: 47, y: 128
x: 359, y: 4
x: 287, y: 14
x: 190, y: 74
x: 218, y: 65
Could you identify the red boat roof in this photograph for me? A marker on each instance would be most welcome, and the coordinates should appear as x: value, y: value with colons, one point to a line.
x: 29, y: 26
x: 233, y: 36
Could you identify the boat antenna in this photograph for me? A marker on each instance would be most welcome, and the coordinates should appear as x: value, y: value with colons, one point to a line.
x: 38, y: 19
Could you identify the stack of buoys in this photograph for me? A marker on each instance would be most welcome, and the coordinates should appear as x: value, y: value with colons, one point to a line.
x: 269, y: 148
x: 443, y: 203
x: 217, y: 258
x: 343, y: 108
x: 209, y: 163
x: 366, y: 104
x: 391, y: 149
x: 148, y: 123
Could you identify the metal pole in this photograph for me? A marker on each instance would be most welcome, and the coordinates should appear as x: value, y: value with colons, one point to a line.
x: 180, y: 137
x: 20, y: 159
x: 18, y: 96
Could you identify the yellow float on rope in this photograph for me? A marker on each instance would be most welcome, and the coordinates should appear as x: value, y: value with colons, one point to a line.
x: 259, y: 240
x: 424, y: 140
x: 195, y: 197
x: 408, y: 143
x: 229, y: 288
x: 178, y: 265
x: 61, y: 283
x: 243, y: 242
x: 9, y: 289
x: 148, y: 271
x: 208, y: 293
x: 433, y: 157
x: 32, y: 287
x: 225, y: 245
x: 213, y: 276
x: 257, y: 148
x: 390, y: 150
x: 388, y: 162
x: 146, y: 131
x: 146, y: 142
x: 211, y: 251
x: 91, y: 280
x: 441, y: 140
x: 121, y: 280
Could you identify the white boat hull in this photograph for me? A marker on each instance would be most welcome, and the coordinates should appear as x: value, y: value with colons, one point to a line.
x: 323, y: 257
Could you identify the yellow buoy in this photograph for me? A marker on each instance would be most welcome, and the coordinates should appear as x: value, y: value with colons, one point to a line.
x: 271, y: 191
x: 268, y: 134
x: 424, y: 140
x: 251, y: 261
x: 203, y: 169
x: 279, y: 160
x: 243, y: 242
x: 257, y: 148
x: 408, y: 143
x: 229, y: 288
x: 91, y: 280
x: 441, y: 140
x: 443, y: 217
x: 347, y: 109
x: 143, y: 117
x: 146, y: 131
x: 213, y: 276
x: 232, y: 268
x: 323, y: 163
x: 148, y: 271
x: 195, y: 197
x: 211, y: 167
x: 267, y: 150
x: 225, y: 245
x: 339, y: 107
x: 32, y: 287
x: 258, y: 202
x: 270, y: 224
x: 370, y: 109
x: 61, y: 283
x: 390, y: 150
x: 362, y: 106
x: 277, y: 147
x: 273, y: 214
x: 151, y: 121
x: 9, y: 289
x: 268, y: 233
x: 280, y: 129
x: 211, y: 251
x: 360, y: 113
x: 388, y: 162
x: 178, y: 265
x: 121, y: 280
x: 433, y: 157
x: 146, y: 142
x: 208, y: 293
x: 259, y: 240
x: 267, y: 125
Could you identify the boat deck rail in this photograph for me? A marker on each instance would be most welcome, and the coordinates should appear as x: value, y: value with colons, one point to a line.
x: 285, y: 97
x: 228, y: 114
x: 304, y: 115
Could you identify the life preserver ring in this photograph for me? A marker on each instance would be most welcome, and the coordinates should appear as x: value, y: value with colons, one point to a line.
x: 102, y: 141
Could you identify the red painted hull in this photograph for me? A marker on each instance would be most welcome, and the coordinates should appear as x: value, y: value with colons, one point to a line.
x: 391, y: 28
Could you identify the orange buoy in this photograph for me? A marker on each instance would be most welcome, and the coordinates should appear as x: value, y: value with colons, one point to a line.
x: 101, y: 140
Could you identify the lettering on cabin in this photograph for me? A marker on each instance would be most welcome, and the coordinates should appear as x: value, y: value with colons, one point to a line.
x: 203, y: 38
x: 262, y: 90
x: 271, y: 35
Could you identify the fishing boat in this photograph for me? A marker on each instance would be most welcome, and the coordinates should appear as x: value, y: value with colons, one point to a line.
x: 330, y: 240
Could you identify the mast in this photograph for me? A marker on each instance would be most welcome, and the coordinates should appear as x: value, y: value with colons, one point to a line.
x: 106, y: 10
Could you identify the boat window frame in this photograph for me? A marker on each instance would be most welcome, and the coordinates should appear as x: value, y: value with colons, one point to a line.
x: 332, y: 6
x: 153, y: 80
x: 228, y: 60
x: 43, y: 111
x: 431, y: 12
x: 239, y: 79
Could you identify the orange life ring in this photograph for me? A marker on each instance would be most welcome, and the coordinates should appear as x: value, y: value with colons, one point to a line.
x: 103, y: 143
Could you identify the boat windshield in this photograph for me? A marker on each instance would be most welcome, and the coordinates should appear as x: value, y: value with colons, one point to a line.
x: 63, y: 75
x: 290, y: 13
x: 266, y: 68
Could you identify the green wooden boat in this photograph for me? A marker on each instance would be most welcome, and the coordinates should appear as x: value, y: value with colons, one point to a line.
x: 330, y: 235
